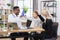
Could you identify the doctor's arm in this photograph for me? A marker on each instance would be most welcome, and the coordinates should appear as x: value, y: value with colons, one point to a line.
x: 19, y: 23
x: 27, y: 17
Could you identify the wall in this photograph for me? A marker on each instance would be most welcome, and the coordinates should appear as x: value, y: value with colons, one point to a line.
x: 35, y: 5
x: 58, y: 15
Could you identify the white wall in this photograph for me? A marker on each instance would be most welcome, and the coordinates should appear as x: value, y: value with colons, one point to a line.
x: 58, y: 13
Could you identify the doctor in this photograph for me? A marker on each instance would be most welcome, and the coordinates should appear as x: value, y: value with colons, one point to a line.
x: 13, y: 18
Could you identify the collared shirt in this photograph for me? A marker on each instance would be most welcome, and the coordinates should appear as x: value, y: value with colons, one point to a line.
x: 15, y: 19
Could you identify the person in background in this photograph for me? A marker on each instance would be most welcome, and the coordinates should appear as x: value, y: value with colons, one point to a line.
x: 13, y: 18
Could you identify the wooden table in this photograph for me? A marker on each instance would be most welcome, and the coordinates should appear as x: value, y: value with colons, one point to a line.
x: 24, y: 30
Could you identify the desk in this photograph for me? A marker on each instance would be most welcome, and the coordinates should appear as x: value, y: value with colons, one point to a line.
x: 24, y: 30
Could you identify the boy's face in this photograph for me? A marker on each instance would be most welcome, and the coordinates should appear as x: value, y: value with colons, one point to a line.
x: 34, y: 15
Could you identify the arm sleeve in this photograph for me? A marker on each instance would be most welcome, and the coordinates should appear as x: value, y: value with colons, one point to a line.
x: 11, y: 19
x: 28, y: 18
x: 41, y: 18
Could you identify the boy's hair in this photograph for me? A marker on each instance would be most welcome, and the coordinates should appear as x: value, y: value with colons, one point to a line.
x: 36, y: 12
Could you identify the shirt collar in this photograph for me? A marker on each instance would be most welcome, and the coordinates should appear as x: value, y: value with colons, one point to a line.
x: 14, y: 15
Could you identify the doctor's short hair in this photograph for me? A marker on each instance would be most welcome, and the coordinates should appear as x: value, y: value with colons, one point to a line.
x: 15, y: 7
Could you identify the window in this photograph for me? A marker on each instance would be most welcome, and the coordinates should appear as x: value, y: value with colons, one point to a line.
x: 27, y: 3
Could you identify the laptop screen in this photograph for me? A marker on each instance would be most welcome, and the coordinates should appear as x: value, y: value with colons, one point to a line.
x: 28, y: 23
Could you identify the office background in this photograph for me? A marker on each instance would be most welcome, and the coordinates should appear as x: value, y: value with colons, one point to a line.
x: 32, y: 6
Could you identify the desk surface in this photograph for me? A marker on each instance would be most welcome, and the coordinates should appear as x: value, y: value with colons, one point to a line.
x: 23, y: 30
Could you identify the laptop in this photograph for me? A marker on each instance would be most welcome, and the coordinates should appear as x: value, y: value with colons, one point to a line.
x: 28, y: 24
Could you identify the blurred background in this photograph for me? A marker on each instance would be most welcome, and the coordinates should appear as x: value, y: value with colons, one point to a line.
x: 29, y: 6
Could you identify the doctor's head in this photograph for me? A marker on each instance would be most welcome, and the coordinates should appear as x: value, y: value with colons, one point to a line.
x: 16, y: 10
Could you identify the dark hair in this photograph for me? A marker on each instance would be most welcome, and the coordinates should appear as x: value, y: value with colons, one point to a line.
x: 15, y: 7
x: 36, y: 12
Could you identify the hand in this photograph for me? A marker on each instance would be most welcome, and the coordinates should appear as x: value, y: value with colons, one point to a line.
x: 21, y: 16
x: 38, y: 32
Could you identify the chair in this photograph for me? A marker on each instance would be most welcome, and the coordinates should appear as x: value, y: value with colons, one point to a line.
x: 50, y: 30
x: 55, y: 28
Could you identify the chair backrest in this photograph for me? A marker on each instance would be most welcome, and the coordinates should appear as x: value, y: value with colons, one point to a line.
x: 55, y: 28
x: 51, y: 28
x: 48, y: 24
x: 48, y: 28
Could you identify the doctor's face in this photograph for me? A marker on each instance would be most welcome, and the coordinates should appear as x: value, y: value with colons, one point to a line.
x: 17, y: 11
